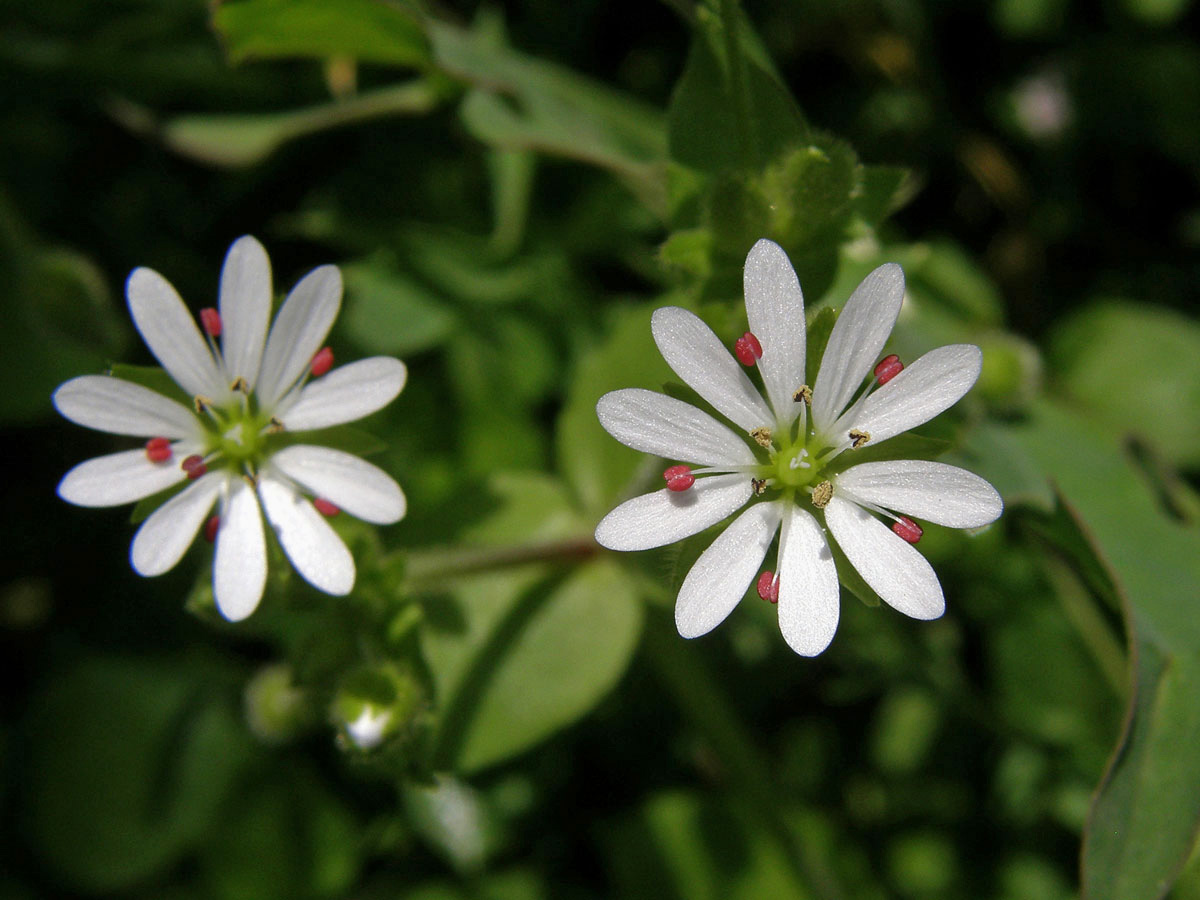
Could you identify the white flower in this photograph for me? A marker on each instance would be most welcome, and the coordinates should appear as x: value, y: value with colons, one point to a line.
x: 237, y: 444
x: 793, y: 472
x: 369, y: 729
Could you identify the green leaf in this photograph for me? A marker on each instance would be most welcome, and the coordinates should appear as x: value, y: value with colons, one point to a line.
x: 389, y: 312
x: 1136, y: 368
x: 366, y: 30
x: 246, y: 139
x: 519, y: 653
x: 596, y: 467
x: 1144, y: 817
x: 729, y: 111
x: 131, y: 763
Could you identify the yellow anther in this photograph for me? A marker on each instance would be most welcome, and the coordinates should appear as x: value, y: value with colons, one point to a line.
x: 201, y: 404
x: 762, y: 436
x: 240, y: 384
x: 759, y: 486
x: 803, y: 394
x: 822, y: 494
x: 858, y: 438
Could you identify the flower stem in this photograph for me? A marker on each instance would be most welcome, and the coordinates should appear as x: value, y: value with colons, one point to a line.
x: 431, y: 566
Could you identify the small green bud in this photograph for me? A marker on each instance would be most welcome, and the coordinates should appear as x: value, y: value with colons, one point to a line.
x: 375, y: 703
x: 1012, y: 372
x: 276, y: 710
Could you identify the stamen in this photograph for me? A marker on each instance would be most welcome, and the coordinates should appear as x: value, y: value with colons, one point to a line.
x: 275, y: 425
x: 747, y: 349
x: 201, y: 404
x: 322, y: 362
x: 211, y: 320
x: 822, y: 494
x: 858, y: 437
x: 679, y: 478
x: 803, y: 394
x: 211, y: 527
x: 768, y: 586
x: 907, y: 529
x: 240, y: 384
x: 889, y: 367
x: 194, y: 466
x: 158, y: 449
x: 325, y: 508
x: 759, y: 486
x: 762, y: 437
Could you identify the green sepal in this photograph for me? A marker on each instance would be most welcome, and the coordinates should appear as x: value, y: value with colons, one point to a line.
x: 152, y: 377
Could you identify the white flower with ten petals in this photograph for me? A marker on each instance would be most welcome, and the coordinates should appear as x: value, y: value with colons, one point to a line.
x: 236, y: 445
x: 787, y: 459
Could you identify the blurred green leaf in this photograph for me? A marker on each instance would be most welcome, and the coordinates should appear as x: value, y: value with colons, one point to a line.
x: 1136, y: 368
x: 131, y: 763
x: 680, y: 845
x: 596, y: 467
x: 246, y: 139
x: 367, y: 30
x: 288, y: 837
x: 390, y: 312
x: 1143, y: 820
x: 517, y: 654
x: 1157, y: 12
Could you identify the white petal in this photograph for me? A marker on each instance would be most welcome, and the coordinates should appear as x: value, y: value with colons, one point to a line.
x: 165, y: 536
x: 356, y: 486
x: 808, y: 585
x: 347, y: 393
x: 775, y: 308
x: 298, y: 332
x: 699, y: 358
x: 245, y: 307
x: 118, y: 478
x: 122, y: 407
x: 240, y: 566
x: 670, y: 428
x: 933, y: 491
x: 932, y: 384
x: 661, y: 518
x: 172, y: 336
x: 313, y: 547
x: 893, y: 568
x: 721, y: 575
x: 858, y: 336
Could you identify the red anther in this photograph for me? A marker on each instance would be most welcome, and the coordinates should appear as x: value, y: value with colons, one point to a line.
x: 679, y: 478
x: 768, y: 586
x: 158, y: 449
x: 211, y: 527
x: 747, y: 349
x: 194, y: 466
x: 889, y: 367
x: 908, y: 529
x: 325, y: 508
x: 211, y: 320
x: 322, y: 362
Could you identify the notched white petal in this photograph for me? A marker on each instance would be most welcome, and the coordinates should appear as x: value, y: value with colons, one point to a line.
x: 309, y: 542
x: 697, y: 356
x: 350, y: 483
x: 775, y: 309
x: 118, y: 478
x: 661, y: 518
x: 346, y: 394
x: 245, y: 307
x: 168, y: 531
x: 808, y: 585
x: 658, y: 424
x: 122, y: 407
x: 931, y: 385
x: 172, y: 335
x: 893, y: 568
x: 719, y: 578
x: 240, y: 563
x: 933, y: 491
x: 856, y: 341
x: 299, y: 330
